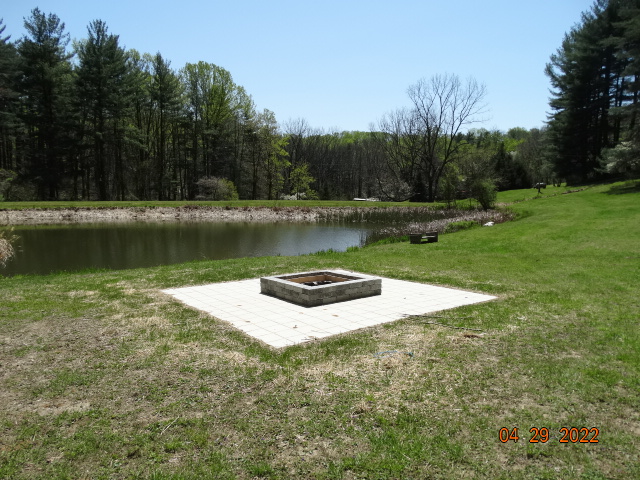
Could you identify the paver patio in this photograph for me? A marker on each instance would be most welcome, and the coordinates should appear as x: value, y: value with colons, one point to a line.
x: 280, y: 324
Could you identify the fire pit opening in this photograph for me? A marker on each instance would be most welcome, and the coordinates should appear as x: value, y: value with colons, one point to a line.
x: 319, y: 280
x: 311, y: 289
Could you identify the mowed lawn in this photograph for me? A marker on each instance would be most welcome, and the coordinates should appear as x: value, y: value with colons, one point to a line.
x: 102, y: 376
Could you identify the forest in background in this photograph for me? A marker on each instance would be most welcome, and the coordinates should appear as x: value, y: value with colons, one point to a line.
x: 90, y: 120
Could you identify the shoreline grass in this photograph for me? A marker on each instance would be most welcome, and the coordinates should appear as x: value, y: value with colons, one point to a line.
x: 6, y: 245
x: 102, y: 376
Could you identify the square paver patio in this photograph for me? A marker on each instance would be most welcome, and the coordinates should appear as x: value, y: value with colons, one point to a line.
x: 280, y: 324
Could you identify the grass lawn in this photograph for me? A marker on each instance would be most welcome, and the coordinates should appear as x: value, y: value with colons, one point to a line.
x: 102, y: 376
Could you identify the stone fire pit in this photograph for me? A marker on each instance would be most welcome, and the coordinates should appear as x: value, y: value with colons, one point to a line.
x: 311, y: 289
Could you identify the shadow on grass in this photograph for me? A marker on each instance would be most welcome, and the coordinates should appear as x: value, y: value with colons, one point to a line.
x: 631, y: 186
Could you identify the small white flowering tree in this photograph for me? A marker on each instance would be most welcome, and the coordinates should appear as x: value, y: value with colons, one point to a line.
x: 624, y: 158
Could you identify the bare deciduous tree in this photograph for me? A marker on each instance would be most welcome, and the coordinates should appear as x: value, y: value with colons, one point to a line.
x: 420, y: 141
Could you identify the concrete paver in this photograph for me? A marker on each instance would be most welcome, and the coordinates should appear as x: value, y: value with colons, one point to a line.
x: 280, y: 324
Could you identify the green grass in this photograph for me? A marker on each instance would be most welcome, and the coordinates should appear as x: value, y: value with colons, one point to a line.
x: 526, y: 194
x: 102, y: 376
x: 462, y: 225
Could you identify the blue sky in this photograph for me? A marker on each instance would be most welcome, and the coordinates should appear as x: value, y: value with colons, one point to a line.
x: 341, y: 65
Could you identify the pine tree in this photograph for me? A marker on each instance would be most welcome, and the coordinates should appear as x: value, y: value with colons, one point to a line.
x: 627, y: 46
x: 9, y: 123
x: 166, y: 91
x: 46, y: 86
x: 588, y: 81
x: 103, y: 96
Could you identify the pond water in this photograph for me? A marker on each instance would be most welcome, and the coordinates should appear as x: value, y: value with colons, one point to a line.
x: 44, y: 249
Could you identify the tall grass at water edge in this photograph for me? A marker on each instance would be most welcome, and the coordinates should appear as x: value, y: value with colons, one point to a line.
x: 114, y: 379
x: 441, y: 221
x: 396, y: 223
x: 6, y: 246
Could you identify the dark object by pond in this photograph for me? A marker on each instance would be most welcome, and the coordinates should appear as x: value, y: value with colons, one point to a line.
x: 428, y: 237
x: 540, y: 186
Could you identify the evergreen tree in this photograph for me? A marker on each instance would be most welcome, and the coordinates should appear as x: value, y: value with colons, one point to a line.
x: 103, y: 98
x: 46, y: 87
x: 9, y: 123
x: 588, y: 81
x: 627, y: 47
x: 166, y: 91
x: 139, y: 133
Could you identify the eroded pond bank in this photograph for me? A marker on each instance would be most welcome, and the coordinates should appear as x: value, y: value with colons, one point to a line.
x: 386, y: 215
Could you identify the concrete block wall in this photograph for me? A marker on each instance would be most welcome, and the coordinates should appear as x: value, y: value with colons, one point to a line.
x: 354, y: 286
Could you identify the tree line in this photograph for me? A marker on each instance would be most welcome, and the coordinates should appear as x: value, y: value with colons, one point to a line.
x: 90, y: 120
x: 593, y: 127
x: 101, y: 122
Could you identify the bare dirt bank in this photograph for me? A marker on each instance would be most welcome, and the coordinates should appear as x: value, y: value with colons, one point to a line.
x: 33, y: 216
x: 403, y: 219
x: 162, y: 214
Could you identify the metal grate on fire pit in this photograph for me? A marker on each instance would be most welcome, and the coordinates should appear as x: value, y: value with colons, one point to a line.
x: 311, y: 289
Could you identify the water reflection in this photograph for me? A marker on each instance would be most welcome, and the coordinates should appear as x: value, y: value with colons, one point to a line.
x: 50, y: 248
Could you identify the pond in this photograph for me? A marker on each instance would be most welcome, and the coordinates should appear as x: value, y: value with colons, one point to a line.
x: 44, y: 249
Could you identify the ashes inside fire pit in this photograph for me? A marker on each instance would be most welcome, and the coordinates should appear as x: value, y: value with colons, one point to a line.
x: 311, y: 289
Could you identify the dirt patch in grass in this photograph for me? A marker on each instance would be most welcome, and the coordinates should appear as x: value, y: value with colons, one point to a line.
x: 128, y: 372
x: 102, y: 373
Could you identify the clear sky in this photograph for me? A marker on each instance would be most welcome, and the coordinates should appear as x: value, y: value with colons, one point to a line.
x: 342, y: 64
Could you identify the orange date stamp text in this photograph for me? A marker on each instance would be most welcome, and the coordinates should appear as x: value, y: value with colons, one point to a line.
x: 542, y: 435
